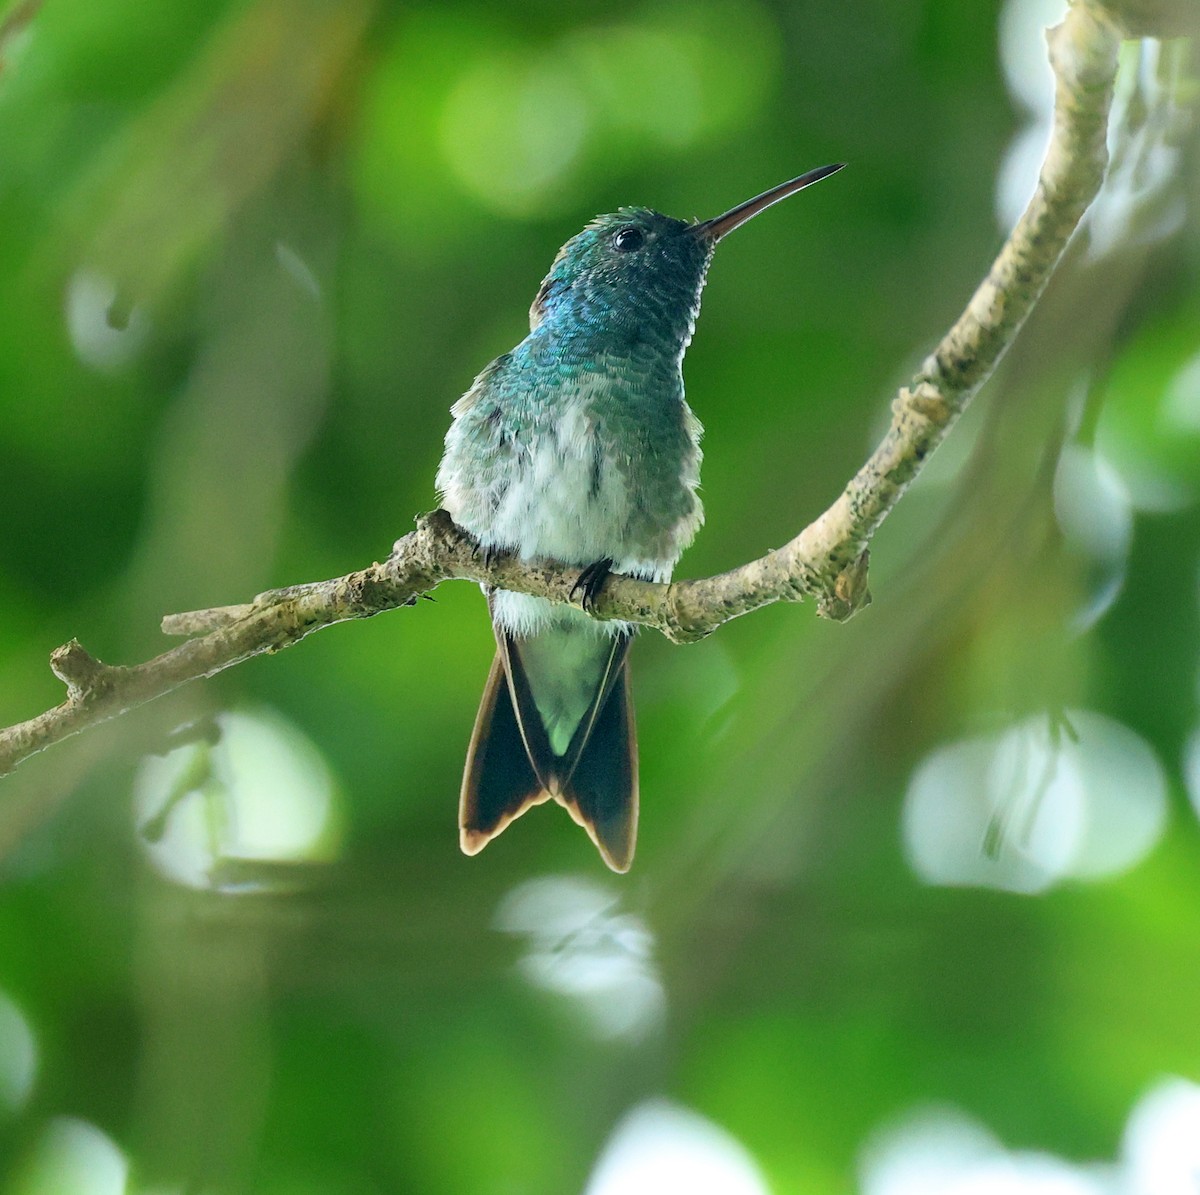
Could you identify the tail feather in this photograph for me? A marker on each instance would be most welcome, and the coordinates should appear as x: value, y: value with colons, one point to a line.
x: 601, y: 792
x: 614, y: 675
x: 530, y: 727
x: 499, y: 783
x: 512, y: 765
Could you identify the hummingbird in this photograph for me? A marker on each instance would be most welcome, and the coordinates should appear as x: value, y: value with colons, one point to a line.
x: 578, y: 446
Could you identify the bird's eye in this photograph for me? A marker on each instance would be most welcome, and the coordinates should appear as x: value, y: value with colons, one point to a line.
x: 626, y: 240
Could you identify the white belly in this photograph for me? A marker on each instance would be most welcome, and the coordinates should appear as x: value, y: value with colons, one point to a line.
x: 561, y: 501
x: 566, y: 501
x: 559, y: 492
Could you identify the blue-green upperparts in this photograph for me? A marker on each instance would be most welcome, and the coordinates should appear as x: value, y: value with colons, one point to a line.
x: 577, y: 446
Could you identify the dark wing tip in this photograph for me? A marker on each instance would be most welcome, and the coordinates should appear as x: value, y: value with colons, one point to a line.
x: 620, y: 864
x: 615, y: 849
x: 499, y: 782
x: 472, y: 839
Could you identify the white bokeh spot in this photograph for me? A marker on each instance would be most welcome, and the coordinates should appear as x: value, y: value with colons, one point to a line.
x: 660, y: 1148
x: 580, y: 946
x: 1091, y: 504
x: 73, y: 1157
x: 98, y: 343
x: 1161, y: 1149
x: 262, y: 792
x: 1036, y: 804
x: 18, y: 1056
x: 941, y: 1151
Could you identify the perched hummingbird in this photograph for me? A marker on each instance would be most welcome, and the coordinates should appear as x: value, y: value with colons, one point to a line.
x: 578, y: 446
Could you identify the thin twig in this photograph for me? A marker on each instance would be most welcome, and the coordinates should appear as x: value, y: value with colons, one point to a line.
x: 827, y: 560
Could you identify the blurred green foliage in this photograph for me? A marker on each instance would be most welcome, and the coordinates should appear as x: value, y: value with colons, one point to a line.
x: 250, y: 252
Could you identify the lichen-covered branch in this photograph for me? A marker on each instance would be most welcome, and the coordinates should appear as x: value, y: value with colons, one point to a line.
x: 827, y: 560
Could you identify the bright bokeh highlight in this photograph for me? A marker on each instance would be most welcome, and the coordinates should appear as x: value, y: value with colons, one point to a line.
x: 660, y: 1148
x: 18, y: 1056
x: 262, y: 793
x: 580, y: 946
x: 943, y: 1151
x: 1048, y: 799
x: 73, y: 1157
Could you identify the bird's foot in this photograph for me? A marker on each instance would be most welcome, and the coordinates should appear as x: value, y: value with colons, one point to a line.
x: 591, y: 582
x: 489, y: 553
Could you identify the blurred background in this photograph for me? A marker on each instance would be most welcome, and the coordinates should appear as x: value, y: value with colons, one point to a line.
x: 916, y: 906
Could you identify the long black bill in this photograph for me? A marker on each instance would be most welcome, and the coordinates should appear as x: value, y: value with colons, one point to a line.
x: 718, y: 226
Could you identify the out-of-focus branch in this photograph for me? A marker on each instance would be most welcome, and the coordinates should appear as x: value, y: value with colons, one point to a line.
x: 827, y: 560
x: 15, y: 22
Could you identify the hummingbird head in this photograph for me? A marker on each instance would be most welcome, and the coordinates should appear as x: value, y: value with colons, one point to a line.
x: 632, y: 273
x: 635, y: 276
